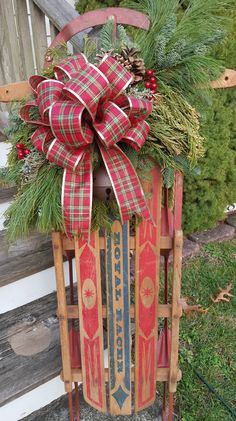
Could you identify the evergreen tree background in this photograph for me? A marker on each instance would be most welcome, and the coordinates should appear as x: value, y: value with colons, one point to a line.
x: 207, y: 195
x: 85, y: 6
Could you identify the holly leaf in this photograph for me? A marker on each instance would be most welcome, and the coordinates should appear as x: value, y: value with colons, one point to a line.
x: 224, y: 294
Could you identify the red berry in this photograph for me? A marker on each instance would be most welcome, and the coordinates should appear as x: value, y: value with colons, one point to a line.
x: 154, y: 86
x: 153, y: 79
x: 27, y: 151
x: 148, y: 85
x: 21, y: 155
x: 20, y: 146
x: 153, y: 91
x: 149, y: 72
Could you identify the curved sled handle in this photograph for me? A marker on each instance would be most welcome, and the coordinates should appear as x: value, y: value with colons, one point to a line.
x: 99, y: 17
x: 20, y: 90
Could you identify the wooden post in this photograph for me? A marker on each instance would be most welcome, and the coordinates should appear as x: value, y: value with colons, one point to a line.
x: 62, y: 310
x: 39, y: 34
x: 11, y: 69
x: 176, y: 309
x: 25, y: 43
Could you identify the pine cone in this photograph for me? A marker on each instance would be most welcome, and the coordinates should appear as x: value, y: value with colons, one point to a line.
x: 134, y: 64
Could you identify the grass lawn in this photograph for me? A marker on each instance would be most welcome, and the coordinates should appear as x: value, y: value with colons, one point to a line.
x: 208, y: 341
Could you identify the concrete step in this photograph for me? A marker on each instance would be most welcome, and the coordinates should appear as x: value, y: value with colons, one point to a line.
x: 32, y: 401
x: 58, y: 411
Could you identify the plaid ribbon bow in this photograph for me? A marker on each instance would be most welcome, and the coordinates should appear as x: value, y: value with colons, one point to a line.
x: 87, y: 104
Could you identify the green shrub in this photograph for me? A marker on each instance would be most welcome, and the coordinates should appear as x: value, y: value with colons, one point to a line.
x: 83, y: 6
x: 206, y: 195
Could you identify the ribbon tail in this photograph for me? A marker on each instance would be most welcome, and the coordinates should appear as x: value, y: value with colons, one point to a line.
x: 77, y: 188
x: 126, y: 185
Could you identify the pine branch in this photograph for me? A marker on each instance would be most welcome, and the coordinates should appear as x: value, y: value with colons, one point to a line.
x: 123, y: 39
x: 106, y: 35
x: 168, y: 177
x: 90, y: 47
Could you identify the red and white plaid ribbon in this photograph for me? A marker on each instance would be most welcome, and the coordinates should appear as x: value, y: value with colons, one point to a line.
x: 87, y: 104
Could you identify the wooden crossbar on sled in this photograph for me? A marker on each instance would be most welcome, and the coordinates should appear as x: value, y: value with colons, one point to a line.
x: 142, y: 363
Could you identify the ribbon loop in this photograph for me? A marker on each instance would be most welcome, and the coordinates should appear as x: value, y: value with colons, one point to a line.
x: 136, y: 135
x: 65, y: 158
x: 89, y: 87
x: 34, y: 82
x: 68, y: 126
x: 30, y: 113
x: 113, y: 126
x: 49, y: 91
x: 69, y: 67
x: 118, y: 77
x: 41, y: 139
x: 138, y: 108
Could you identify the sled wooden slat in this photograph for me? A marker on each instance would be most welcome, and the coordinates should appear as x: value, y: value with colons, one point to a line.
x: 176, y: 286
x: 178, y: 200
x: 118, y: 318
x: 90, y: 318
x: 146, y: 297
x: 62, y: 311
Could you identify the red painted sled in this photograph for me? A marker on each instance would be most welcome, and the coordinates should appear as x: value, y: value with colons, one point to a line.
x: 82, y: 319
x: 156, y: 348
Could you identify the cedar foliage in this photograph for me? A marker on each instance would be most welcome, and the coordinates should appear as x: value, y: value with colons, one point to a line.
x: 207, y: 195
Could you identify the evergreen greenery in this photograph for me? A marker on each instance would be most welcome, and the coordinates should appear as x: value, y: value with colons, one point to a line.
x: 183, y: 66
x: 181, y: 41
x: 174, y: 132
x: 83, y: 6
x: 206, y: 195
x: 106, y: 35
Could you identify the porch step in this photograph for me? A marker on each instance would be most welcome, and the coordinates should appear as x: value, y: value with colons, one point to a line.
x: 29, y: 347
x: 6, y: 194
x: 58, y: 411
x: 24, y: 257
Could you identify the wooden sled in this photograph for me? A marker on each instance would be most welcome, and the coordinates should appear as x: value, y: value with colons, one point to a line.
x: 144, y: 370
x: 85, y: 317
